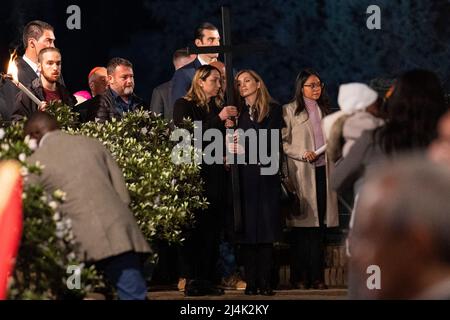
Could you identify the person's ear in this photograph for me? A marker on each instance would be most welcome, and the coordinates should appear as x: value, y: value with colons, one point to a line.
x: 109, y: 78
x: 39, y: 66
x: 198, y: 42
x: 31, y: 43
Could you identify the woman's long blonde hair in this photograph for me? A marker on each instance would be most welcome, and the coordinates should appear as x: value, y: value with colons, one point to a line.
x: 263, y: 98
x: 196, y: 93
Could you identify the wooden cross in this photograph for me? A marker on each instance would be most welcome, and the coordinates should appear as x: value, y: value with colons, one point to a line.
x: 227, y: 49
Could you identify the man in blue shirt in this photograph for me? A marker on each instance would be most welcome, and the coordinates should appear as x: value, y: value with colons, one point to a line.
x: 119, y: 97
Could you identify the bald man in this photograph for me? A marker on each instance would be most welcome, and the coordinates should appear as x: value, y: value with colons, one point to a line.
x: 400, y: 242
x: 98, y: 81
x: 96, y: 201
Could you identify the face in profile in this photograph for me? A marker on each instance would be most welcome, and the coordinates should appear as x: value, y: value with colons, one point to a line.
x: 122, y: 80
x: 46, y: 40
x: 212, y: 84
x: 98, y: 81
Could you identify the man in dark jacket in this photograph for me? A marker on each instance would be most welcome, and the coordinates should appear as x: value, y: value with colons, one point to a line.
x: 46, y: 88
x: 97, y: 202
x: 119, y: 97
x: 36, y: 35
x: 161, y: 95
x: 205, y: 35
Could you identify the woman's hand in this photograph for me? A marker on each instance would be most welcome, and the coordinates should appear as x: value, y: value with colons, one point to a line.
x: 228, y: 112
x: 234, y: 147
x: 229, y: 123
x: 309, y: 156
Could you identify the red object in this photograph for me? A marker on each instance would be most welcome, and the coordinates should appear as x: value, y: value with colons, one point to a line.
x: 10, y: 228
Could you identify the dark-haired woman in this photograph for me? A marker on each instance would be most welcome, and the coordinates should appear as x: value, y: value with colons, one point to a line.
x: 413, y: 110
x: 203, y: 103
x: 302, y: 136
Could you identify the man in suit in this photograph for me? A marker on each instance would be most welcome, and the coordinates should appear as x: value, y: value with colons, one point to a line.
x: 36, y: 36
x: 46, y: 88
x: 98, y: 84
x: 96, y: 201
x: 160, y: 102
x: 400, y: 245
x: 205, y: 35
x: 98, y: 81
x: 119, y: 97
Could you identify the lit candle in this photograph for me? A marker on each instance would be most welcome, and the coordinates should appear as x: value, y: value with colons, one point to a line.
x: 12, y: 76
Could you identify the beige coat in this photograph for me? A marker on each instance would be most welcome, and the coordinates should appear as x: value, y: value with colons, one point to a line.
x: 96, y: 195
x: 298, y: 137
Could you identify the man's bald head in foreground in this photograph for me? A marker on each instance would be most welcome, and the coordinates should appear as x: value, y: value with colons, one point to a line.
x: 39, y: 124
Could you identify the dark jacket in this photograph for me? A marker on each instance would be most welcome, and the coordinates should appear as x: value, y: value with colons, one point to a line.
x: 182, y: 80
x: 25, y: 107
x: 260, y: 194
x: 160, y: 103
x: 103, y: 107
x: 9, y: 91
x: 212, y: 174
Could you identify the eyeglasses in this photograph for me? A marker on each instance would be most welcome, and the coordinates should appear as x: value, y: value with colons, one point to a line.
x: 315, y: 85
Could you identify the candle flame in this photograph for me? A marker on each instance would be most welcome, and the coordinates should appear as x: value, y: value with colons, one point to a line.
x: 12, y: 67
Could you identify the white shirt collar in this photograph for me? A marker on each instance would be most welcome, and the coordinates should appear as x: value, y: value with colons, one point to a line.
x: 203, y: 62
x: 33, y: 65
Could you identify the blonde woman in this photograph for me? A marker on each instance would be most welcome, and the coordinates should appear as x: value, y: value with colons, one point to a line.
x: 260, y: 194
x: 203, y: 102
x: 302, y: 136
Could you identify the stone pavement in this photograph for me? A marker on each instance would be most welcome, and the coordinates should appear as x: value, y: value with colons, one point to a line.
x: 329, y: 294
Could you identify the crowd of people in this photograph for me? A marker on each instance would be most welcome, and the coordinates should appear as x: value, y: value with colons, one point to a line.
x: 325, y: 154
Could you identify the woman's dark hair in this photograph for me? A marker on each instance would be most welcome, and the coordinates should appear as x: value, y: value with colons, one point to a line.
x: 323, y: 101
x: 413, y: 111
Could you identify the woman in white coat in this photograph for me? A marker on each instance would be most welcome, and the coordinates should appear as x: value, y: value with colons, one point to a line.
x: 302, y: 136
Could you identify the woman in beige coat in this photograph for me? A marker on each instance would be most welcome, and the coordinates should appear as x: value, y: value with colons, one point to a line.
x: 302, y: 136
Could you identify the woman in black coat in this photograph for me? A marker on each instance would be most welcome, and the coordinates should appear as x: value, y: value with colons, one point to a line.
x: 203, y: 103
x: 260, y: 191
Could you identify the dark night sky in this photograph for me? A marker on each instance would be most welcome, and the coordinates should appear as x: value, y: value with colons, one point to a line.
x: 331, y: 36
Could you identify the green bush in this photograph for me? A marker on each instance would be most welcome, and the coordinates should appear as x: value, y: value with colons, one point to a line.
x: 47, y: 245
x: 164, y: 197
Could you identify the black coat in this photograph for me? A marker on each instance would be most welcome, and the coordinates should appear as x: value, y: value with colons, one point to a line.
x: 160, y: 102
x: 9, y: 91
x: 25, y: 107
x: 103, y: 107
x: 260, y: 194
x: 212, y: 174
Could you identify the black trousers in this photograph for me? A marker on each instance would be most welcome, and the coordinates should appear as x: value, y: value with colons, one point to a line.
x: 308, y: 244
x: 200, y: 251
x: 258, y: 261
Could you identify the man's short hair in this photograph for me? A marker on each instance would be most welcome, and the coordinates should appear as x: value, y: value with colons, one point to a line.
x: 50, y: 49
x: 406, y: 178
x: 115, y: 62
x: 180, y: 53
x: 34, y: 29
x: 45, y: 119
x: 203, y: 26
